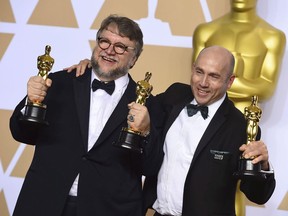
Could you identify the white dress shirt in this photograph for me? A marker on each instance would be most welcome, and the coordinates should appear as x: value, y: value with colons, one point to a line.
x: 101, y: 107
x: 180, y: 144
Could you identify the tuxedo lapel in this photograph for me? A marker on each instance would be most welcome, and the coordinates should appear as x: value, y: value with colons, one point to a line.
x: 117, y: 117
x: 82, y: 91
x: 218, y: 119
x: 176, y: 109
x: 173, y: 100
x: 120, y: 112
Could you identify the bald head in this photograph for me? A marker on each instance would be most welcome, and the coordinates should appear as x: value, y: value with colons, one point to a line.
x: 219, y: 55
x: 212, y: 74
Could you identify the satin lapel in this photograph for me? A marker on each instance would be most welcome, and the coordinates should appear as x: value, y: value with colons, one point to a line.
x: 176, y: 109
x: 218, y: 119
x: 82, y: 91
x: 120, y: 112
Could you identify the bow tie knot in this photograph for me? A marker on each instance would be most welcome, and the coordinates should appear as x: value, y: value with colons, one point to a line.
x: 193, y: 109
x: 108, y: 87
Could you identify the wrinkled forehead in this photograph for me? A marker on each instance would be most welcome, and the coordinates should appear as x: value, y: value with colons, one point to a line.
x: 214, y: 60
x: 112, y: 34
x: 113, y: 28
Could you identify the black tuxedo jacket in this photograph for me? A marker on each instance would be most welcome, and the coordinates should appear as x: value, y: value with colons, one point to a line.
x: 110, y: 181
x: 210, y: 186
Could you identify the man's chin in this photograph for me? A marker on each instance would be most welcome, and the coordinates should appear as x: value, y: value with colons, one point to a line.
x: 108, y: 73
x: 202, y: 100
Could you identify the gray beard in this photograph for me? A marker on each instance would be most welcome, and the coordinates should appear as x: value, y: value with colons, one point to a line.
x: 111, y: 75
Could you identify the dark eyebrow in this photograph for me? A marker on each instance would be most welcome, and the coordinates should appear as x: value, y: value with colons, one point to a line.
x: 106, y: 39
x: 214, y: 74
x: 198, y: 68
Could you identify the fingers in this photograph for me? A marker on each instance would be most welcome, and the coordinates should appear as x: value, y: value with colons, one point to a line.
x: 138, y: 118
x: 80, y: 67
x: 255, y: 150
x: 37, y: 88
x: 70, y: 68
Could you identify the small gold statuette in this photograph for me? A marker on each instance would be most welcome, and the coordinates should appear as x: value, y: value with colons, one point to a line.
x: 45, y: 63
x: 143, y: 89
x: 252, y: 114
x: 35, y: 111
x: 246, y: 168
x: 129, y: 138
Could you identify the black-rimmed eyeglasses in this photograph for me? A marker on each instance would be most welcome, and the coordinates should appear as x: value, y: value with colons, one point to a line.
x: 118, y: 48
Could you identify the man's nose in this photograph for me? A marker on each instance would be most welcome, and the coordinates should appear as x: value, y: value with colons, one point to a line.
x: 204, y: 81
x: 110, y: 49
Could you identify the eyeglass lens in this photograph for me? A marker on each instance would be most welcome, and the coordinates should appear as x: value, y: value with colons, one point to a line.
x: 104, y: 44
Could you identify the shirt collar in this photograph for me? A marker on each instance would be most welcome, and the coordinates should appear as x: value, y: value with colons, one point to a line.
x: 120, y: 83
x: 212, y: 107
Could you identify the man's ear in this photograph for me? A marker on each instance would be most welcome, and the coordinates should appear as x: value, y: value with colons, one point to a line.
x: 231, y: 80
x: 133, y: 62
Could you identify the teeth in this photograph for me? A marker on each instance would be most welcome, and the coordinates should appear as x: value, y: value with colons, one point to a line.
x: 202, y: 91
x: 108, y: 59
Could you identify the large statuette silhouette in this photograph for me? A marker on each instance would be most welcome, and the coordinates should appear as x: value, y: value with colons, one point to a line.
x: 35, y: 111
x: 129, y: 138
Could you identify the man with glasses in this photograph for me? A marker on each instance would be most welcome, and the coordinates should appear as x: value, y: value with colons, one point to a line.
x: 76, y: 169
x: 119, y: 48
x: 203, y: 137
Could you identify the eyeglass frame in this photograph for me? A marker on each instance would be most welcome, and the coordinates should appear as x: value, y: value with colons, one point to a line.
x: 125, y: 48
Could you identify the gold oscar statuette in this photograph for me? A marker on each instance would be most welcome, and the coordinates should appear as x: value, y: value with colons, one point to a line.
x: 35, y: 111
x: 129, y: 138
x: 246, y: 168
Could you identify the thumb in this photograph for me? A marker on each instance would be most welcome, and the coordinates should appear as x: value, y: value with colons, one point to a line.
x: 48, y: 82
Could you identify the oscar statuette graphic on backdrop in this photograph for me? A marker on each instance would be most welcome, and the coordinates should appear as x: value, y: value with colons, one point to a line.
x: 246, y: 169
x: 129, y: 138
x: 35, y: 111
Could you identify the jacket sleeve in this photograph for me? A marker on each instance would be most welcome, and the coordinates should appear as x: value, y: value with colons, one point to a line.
x: 259, y: 190
x: 22, y: 131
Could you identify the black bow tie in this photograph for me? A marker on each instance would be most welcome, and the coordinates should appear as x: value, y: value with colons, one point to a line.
x: 193, y: 109
x: 108, y: 87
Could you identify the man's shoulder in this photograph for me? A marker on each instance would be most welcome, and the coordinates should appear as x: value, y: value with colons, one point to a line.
x: 178, y: 92
x: 233, y: 110
x: 63, y: 74
x: 179, y: 87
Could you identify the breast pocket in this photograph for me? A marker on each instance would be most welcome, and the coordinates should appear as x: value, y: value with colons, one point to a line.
x: 221, y: 157
x: 221, y: 163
